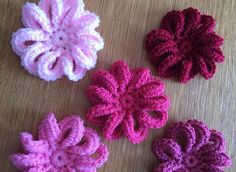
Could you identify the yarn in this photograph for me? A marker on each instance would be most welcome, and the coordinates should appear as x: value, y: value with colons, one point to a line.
x: 185, y: 45
x: 126, y: 102
x: 66, y: 146
x: 191, y: 146
x: 59, y: 39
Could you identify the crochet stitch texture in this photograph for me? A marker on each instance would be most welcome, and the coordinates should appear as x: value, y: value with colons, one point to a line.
x: 66, y: 146
x: 185, y: 45
x: 191, y: 147
x: 123, y: 100
x: 59, y: 39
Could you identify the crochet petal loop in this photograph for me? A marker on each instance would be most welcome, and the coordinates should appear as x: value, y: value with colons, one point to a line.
x: 166, y: 150
x: 49, y: 130
x: 65, y: 146
x: 122, y: 100
x: 185, y: 45
x: 72, y: 130
x: 24, y: 38
x: 31, y: 146
x: 87, y: 21
x: 35, y: 18
x: 191, y: 146
x: 173, y: 22
x: 183, y: 134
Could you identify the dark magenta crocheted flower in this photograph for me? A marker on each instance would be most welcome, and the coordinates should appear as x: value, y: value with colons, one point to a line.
x: 66, y: 146
x: 185, y: 45
x: 191, y: 147
x: 127, y: 102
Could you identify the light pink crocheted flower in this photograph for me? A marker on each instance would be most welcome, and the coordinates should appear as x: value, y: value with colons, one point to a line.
x: 191, y: 147
x: 59, y: 39
x: 127, y: 102
x: 66, y: 146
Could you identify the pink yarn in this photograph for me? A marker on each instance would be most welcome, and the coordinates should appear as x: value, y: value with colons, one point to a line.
x: 123, y: 100
x: 191, y: 147
x: 66, y: 146
x: 59, y: 39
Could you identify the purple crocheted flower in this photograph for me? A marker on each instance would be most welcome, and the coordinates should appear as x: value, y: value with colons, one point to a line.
x: 66, y: 146
x: 59, y: 39
x: 191, y: 147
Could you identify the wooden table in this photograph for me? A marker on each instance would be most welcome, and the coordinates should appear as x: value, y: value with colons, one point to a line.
x: 25, y: 99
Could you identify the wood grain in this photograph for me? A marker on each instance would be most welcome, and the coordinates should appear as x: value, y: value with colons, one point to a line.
x: 25, y: 99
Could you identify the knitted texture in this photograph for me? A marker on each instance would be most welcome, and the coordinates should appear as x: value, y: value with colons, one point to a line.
x: 66, y: 146
x: 127, y: 102
x: 191, y: 147
x: 185, y: 45
x: 59, y: 39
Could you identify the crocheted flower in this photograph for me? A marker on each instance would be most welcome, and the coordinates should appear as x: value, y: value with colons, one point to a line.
x: 191, y: 147
x: 185, y: 45
x: 127, y: 102
x: 59, y: 39
x: 66, y: 146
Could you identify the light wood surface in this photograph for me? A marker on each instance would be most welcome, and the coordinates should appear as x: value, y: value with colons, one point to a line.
x: 25, y: 99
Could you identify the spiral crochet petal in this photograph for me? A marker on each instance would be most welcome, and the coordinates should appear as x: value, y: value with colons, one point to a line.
x: 122, y: 101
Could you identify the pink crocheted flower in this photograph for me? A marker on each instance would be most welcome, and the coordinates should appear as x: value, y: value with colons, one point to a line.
x: 59, y: 39
x: 66, y: 146
x: 185, y: 45
x: 191, y: 147
x: 127, y: 102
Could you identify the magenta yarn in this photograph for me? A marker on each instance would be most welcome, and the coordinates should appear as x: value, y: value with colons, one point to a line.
x: 66, y: 146
x: 59, y: 39
x: 127, y: 102
x: 191, y: 147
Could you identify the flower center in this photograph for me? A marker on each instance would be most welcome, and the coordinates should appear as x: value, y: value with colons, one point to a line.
x: 185, y: 46
x: 126, y: 101
x: 60, y: 40
x: 190, y: 160
x: 59, y: 158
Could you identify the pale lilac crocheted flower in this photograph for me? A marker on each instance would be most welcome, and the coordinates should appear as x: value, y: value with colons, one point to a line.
x: 191, y: 147
x: 66, y: 146
x: 59, y: 39
x: 127, y: 102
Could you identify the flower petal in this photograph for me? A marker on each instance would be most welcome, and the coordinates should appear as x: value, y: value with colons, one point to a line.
x: 183, y: 134
x: 53, y: 9
x: 49, y: 66
x: 103, y: 78
x: 192, y: 20
x: 99, y: 95
x: 32, y: 55
x: 209, y: 40
x: 24, y: 162
x: 154, y: 104
x: 120, y: 71
x: 35, y: 18
x: 168, y: 167
x: 134, y: 130
x: 31, y: 146
x: 87, y: 21
x: 112, y: 128
x: 73, y: 9
x: 167, y: 150
x: 95, y: 160
x: 207, y: 67
x: 208, y: 168
x: 26, y: 37
x: 154, y: 119
x: 217, y: 159
x: 156, y: 37
x: 213, y: 53
x: 49, y: 130
x: 188, y: 71
x: 41, y: 168
x: 88, y: 144
x: 73, y: 70
x: 173, y: 22
x: 72, y: 130
x: 207, y: 25
x: 98, y: 114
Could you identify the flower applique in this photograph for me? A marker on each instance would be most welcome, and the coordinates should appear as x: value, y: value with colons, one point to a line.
x: 127, y: 102
x: 66, y: 146
x: 185, y: 45
x: 59, y: 39
x: 191, y: 147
